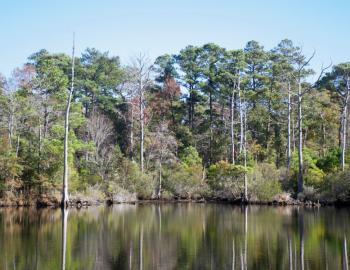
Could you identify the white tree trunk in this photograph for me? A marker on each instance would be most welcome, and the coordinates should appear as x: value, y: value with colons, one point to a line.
x: 343, y: 128
x: 132, y: 132
x: 232, y: 130
x: 245, y: 156
x: 289, y: 128
x: 160, y: 180
x: 65, y: 198
x: 300, y: 140
x: 142, y: 134
x: 241, y: 123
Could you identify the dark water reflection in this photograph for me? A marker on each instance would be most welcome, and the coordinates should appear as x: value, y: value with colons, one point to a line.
x: 174, y: 236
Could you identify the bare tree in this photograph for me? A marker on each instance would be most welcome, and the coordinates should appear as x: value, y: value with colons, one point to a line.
x: 162, y: 150
x: 141, y: 72
x: 100, y: 129
x: 65, y: 198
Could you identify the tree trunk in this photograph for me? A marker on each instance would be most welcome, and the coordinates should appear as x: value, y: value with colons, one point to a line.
x: 300, y: 140
x: 245, y: 158
x: 65, y: 198
x: 289, y: 128
x: 211, y: 124
x: 160, y: 181
x: 131, y: 150
x: 343, y: 130
x: 190, y: 109
x: 241, y: 139
x: 232, y: 130
x: 17, y: 146
x: 142, y: 125
x: 10, y: 128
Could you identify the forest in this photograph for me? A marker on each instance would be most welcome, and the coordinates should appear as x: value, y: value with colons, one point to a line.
x: 204, y: 123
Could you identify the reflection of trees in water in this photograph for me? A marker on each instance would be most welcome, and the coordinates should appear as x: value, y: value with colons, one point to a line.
x: 345, y: 255
x: 301, y: 235
x: 64, y: 218
x: 175, y: 236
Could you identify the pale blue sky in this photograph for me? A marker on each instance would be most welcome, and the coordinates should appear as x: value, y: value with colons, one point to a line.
x: 155, y: 27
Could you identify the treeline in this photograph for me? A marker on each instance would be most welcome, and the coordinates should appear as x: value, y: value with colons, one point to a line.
x: 206, y: 122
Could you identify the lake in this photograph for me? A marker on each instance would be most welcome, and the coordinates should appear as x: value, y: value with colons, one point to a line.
x: 174, y: 236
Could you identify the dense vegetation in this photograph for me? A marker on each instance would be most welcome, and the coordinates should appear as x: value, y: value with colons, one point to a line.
x: 206, y: 122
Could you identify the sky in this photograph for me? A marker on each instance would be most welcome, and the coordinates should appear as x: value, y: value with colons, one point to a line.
x: 126, y: 28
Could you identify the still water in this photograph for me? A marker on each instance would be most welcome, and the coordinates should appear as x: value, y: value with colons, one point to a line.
x: 174, y: 236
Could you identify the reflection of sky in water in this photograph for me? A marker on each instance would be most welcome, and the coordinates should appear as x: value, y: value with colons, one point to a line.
x: 175, y: 236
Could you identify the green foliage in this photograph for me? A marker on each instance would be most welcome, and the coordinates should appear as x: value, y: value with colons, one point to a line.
x: 313, y: 175
x: 331, y: 161
x: 264, y: 182
x: 225, y: 176
x: 10, y: 169
x: 222, y: 91
x: 337, y: 186
x: 190, y: 157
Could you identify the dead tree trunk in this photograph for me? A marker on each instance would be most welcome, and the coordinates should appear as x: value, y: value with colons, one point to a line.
x: 245, y: 157
x: 142, y: 132
x: 65, y: 198
x: 131, y: 127
x: 300, y: 140
x: 160, y: 180
x: 232, y: 129
x: 343, y: 134
x: 289, y: 127
x: 345, y: 96
x: 241, y: 139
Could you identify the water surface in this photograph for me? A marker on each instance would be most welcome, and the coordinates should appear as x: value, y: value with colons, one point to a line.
x: 174, y: 236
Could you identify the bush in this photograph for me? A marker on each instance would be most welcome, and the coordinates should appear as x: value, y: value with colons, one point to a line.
x: 330, y: 162
x: 125, y: 174
x: 182, y: 180
x: 264, y: 182
x: 309, y: 194
x: 190, y: 157
x: 223, y: 176
x: 10, y: 169
x: 313, y: 175
x: 337, y: 187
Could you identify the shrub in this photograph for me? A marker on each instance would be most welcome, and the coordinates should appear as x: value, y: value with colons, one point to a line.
x: 264, y: 182
x: 190, y: 157
x: 313, y: 175
x: 337, y: 186
x: 126, y: 174
x: 309, y: 194
x: 330, y: 162
x: 223, y: 176
x: 182, y: 180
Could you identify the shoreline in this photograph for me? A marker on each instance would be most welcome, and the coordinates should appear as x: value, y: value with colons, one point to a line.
x: 90, y: 202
